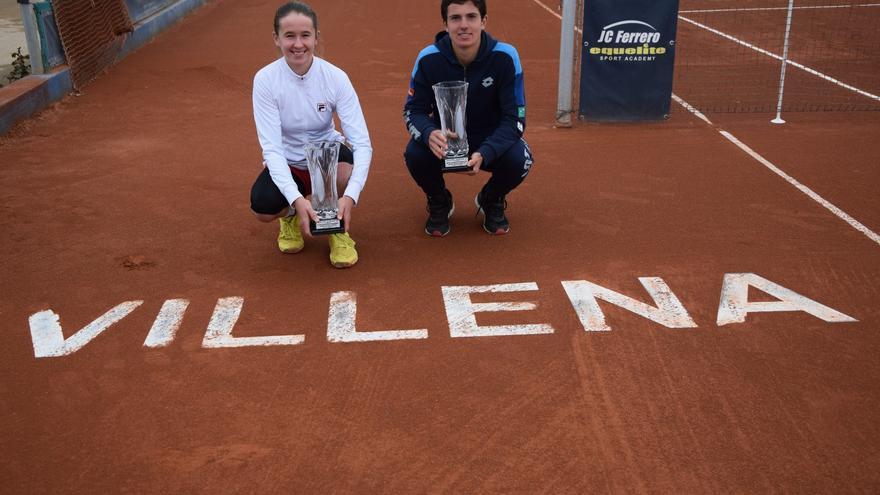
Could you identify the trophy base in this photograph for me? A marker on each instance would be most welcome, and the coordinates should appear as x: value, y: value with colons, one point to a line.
x: 325, y: 227
x: 455, y: 164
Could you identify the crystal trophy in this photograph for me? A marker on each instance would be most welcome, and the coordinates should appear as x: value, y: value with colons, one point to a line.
x: 322, y: 158
x: 451, y: 98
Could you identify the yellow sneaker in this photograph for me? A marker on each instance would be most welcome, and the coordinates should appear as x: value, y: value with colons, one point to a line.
x: 290, y: 239
x: 342, y: 252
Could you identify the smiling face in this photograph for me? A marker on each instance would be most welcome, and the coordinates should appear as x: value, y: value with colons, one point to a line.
x: 465, y: 26
x: 296, y: 38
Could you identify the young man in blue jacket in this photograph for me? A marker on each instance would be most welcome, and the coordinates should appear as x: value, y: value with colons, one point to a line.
x: 495, y: 118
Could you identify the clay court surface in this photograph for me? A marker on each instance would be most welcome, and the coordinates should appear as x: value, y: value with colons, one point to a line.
x: 138, y: 191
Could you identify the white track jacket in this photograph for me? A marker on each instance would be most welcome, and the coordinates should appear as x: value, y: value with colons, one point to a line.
x: 292, y: 110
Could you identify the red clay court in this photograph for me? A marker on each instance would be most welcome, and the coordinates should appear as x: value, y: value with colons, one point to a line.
x: 745, y: 360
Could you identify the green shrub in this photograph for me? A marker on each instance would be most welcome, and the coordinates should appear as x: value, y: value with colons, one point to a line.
x: 21, y: 66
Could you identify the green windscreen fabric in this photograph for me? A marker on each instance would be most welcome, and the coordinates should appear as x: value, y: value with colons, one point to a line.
x: 52, y: 53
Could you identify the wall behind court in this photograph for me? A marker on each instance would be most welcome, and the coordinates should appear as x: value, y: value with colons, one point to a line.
x: 139, y: 10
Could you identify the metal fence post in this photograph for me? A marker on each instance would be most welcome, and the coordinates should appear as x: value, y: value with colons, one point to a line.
x: 32, y: 36
x: 566, y: 64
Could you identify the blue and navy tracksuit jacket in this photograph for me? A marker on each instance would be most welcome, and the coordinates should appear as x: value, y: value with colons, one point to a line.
x: 496, y: 101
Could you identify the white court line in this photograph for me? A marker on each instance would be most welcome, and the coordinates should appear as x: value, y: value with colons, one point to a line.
x: 548, y: 9
x: 791, y: 180
x: 692, y: 110
x: 777, y: 57
x: 758, y: 9
x: 804, y: 189
x: 763, y: 161
x: 553, y: 12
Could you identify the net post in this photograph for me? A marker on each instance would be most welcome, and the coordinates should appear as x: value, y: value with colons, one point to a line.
x: 778, y: 119
x: 566, y: 64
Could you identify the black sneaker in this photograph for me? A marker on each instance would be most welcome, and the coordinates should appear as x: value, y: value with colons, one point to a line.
x: 494, y: 221
x: 440, y: 208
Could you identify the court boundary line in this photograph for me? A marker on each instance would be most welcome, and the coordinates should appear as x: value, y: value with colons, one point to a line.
x: 781, y: 173
x: 802, y: 188
x: 870, y: 234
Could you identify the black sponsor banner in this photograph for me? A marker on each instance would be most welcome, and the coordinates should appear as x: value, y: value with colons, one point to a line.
x: 627, y: 59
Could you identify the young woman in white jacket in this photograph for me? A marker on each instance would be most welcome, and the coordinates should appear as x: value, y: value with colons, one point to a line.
x: 294, y: 100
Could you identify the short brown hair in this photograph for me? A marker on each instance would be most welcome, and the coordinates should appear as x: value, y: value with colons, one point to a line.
x: 479, y: 4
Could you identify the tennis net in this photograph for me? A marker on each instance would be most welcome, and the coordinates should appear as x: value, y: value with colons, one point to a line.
x: 729, y: 59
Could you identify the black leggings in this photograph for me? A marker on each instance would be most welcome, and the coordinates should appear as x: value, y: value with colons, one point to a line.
x: 267, y: 199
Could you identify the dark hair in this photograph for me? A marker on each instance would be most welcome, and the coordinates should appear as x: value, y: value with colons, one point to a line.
x: 299, y: 8
x: 479, y: 4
